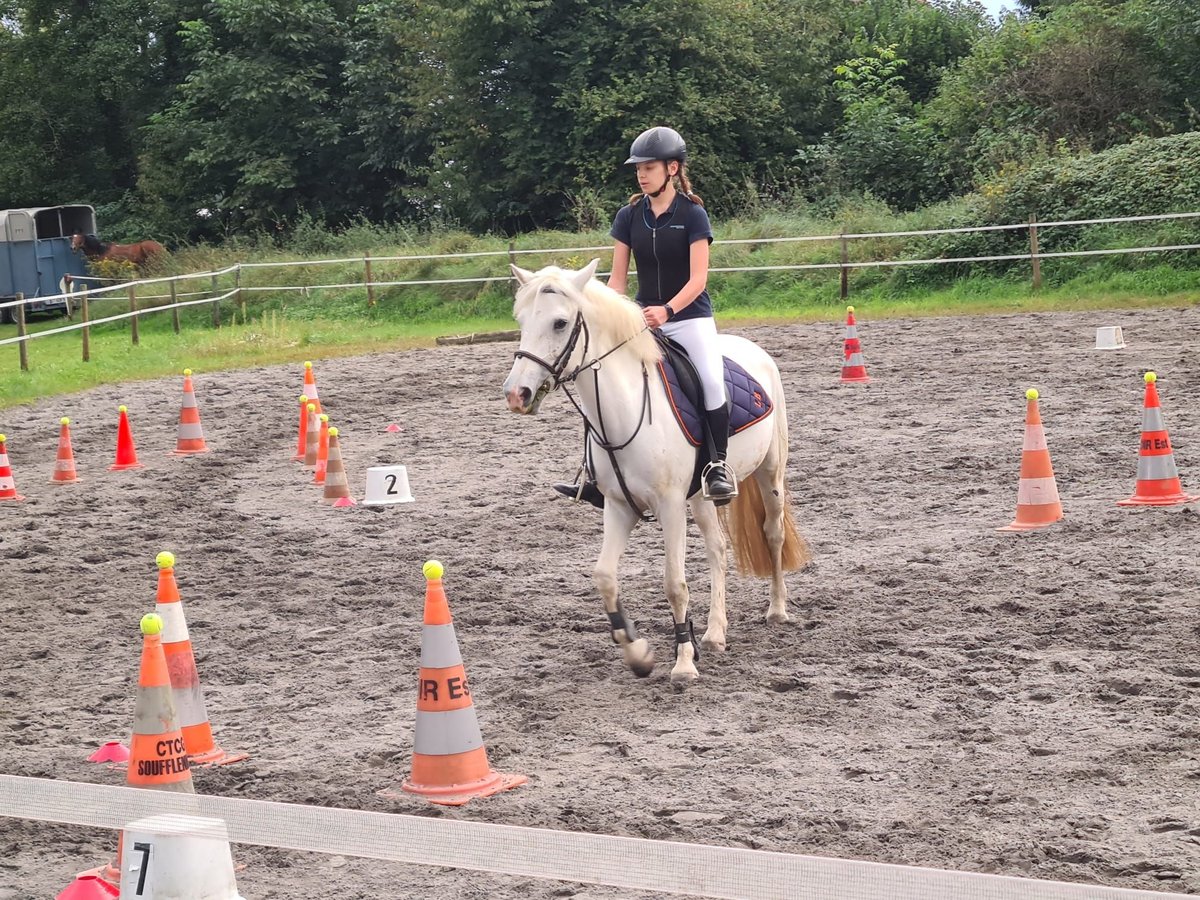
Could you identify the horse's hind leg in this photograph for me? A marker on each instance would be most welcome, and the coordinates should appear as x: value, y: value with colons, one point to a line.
x: 673, y: 518
x: 770, y: 483
x: 705, y: 514
x: 619, y: 520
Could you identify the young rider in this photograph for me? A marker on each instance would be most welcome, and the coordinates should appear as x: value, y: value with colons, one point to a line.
x: 667, y: 230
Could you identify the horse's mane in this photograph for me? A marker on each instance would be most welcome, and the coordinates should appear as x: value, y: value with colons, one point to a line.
x: 93, y: 244
x: 611, y: 317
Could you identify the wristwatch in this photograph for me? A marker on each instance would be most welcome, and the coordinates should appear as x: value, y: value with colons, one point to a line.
x: 670, y: 311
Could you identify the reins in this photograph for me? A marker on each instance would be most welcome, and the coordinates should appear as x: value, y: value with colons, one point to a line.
x: 597, y: 434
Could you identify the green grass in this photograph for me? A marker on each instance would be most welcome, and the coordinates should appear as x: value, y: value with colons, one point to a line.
x: 288, y: 326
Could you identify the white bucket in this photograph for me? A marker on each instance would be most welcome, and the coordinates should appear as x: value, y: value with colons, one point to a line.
x: 387, y: 485
x: 1110, y: 338
x: 177, y: 858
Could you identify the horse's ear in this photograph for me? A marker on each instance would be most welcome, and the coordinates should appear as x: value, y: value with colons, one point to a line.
x: 523, y: 276
x: 584, y: 275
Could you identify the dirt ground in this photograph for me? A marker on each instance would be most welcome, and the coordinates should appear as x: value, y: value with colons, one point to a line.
x: 946, y: 695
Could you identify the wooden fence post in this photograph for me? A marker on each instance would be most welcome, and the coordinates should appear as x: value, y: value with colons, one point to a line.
x: 87, y: 331
x: 369, y: 279
x: 845, y: 270
x: 216, y: 307
x: 237, y: 286
x: 22, y: 346
x: 133, y: 322
x: 512, y: 254
x: 174, y: 308
x: 1033, y: 250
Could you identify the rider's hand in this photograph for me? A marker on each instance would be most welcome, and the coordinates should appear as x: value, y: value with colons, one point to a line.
x: 654, y: 316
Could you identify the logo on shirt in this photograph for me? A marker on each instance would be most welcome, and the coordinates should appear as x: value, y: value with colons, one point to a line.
x: 680, y: 227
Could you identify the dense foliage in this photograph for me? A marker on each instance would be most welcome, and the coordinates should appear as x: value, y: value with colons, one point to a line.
x: 200, y: 119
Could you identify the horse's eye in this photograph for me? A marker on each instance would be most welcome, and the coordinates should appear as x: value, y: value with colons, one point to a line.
x: 560, y: 324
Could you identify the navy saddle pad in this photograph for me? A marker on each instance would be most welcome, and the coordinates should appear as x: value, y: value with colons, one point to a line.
x: 750, y: 400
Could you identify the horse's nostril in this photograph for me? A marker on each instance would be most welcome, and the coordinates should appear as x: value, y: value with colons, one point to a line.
x: 526, y: 396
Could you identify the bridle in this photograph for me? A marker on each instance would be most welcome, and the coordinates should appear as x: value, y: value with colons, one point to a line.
x: 563, y: 379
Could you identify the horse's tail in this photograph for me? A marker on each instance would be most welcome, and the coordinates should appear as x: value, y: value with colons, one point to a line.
x: 748, y: 512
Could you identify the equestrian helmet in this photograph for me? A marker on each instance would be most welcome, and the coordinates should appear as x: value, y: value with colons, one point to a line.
x: 658, y: 143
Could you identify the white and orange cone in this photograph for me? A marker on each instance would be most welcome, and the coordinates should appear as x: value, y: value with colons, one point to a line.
x: 1037, y: 492
x: 64, y: 463
x: 185, y: 680
x: 1157, y: 478
x: 853, y: 368
x: 190, y: 438
x: 337, y: 488
x: 450, y: 764
x: 312, y: 438
x: 322, y: 451
x: 310, y: 386
x: 8, y: 485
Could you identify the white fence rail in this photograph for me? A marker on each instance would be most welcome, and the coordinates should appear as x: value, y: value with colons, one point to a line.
x: 214, y: 295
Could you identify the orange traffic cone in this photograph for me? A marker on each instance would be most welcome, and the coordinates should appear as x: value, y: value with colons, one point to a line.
x: 302, y: 443
x: 310, y: 386
x: 157, y: 757
x: 8, y: 486
x: 126, y: 452
x: 853, y: 369
x: 312, y: 438
x: 1037, y: 492
x: 322, y: 451
x: 450, y: 764
x: 191, y: 434
x: 64, y: 465
x: 202, y: 750
x: 337, y: 488
x: 1157, y: 478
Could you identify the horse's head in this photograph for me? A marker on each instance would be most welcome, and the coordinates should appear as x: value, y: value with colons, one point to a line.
x: 88, y: 243
x: 77, y: 241
x: 548, y: 308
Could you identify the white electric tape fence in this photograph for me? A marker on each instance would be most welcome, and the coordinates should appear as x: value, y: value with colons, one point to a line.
x: 657, y: 867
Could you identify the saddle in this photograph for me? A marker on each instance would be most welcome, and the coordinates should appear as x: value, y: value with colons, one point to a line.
x: 748, y: 399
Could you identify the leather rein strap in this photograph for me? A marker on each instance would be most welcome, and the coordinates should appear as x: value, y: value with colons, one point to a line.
x: 561, y: 380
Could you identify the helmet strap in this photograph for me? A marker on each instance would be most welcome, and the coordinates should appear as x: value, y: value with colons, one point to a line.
x: 666, y: 181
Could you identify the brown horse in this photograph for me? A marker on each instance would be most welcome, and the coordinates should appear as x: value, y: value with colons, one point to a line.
x: 139, y: 254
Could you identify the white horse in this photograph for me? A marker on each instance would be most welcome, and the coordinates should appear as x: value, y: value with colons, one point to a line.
x: 577, y: 331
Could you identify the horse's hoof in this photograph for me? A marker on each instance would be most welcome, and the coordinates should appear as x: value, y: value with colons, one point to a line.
x: 640, y: 657
x: 712, y: 644
x: 680, y: 681
x: 778, y: 618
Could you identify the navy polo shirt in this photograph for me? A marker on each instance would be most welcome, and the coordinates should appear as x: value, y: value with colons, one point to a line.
x: 662, y: 250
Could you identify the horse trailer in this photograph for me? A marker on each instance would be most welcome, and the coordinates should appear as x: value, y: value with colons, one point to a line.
x: 36, y: 254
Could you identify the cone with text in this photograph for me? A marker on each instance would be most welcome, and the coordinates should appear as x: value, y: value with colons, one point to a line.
x: 450, y: 764
x: 1157, y: 478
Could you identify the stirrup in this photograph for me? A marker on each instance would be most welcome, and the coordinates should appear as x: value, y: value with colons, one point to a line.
x: 721, y: 499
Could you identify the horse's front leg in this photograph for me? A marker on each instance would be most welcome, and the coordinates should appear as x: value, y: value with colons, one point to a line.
x: 709, y: 524
x: 619, y: 520
x: 673, y: 517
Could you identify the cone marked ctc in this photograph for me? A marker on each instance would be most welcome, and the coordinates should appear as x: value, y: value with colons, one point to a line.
x: 202, y: 750
x: 310, y: 386
x: 853, y: 369
x: 126, y: 451
x: 157, y: 755
x: 1157, y: 478
x: 64, y: 464
x: 322, y: 451
x: 191, y: 434
x: 450, y: 764
x: 298, y: 456
x: 8, y: 486
x: 312, y: 438
x: 337, y: 488
x: 1037, y: 492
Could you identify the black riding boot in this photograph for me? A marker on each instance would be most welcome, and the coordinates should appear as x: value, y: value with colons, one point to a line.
x: 587, y: 492
x: 721, y: 488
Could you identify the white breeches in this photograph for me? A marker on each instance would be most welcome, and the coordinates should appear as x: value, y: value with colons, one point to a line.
x: 699, y: 338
